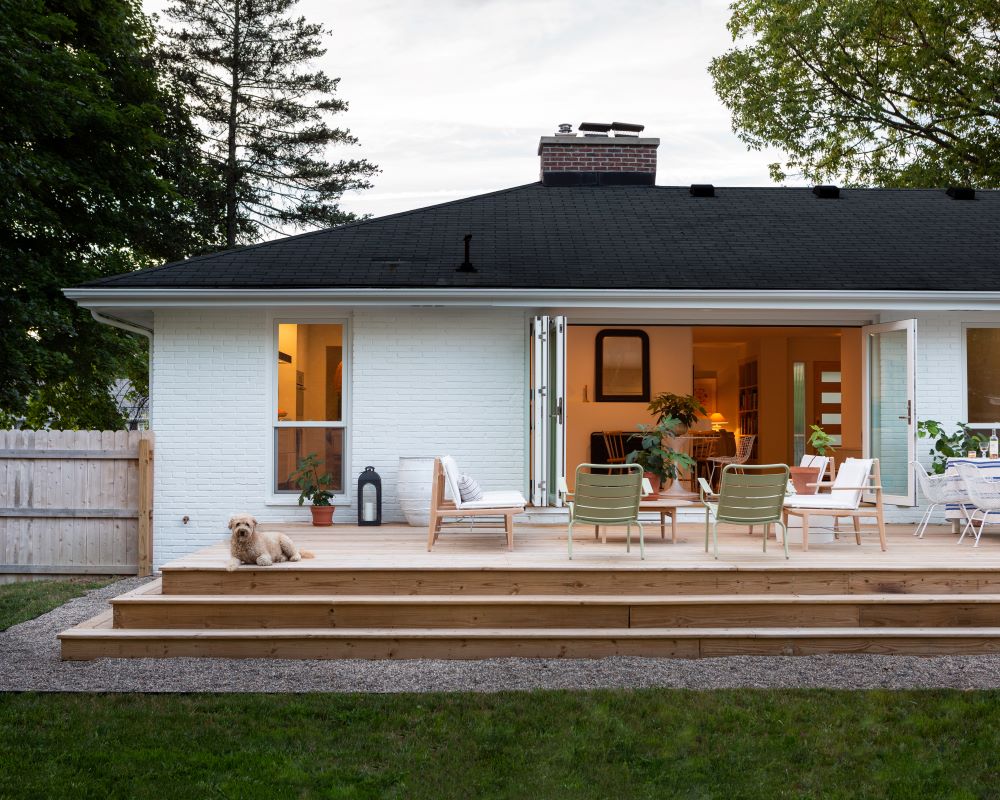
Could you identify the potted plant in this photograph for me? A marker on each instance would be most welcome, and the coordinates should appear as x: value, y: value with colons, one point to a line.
x: 315, y: 487
x: 659, y: 462
x: 802, y: 477
x: 948, y: 445
x: 683, y: 409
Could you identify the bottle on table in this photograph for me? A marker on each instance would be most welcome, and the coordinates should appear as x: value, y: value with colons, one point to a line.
x: 994, y: 445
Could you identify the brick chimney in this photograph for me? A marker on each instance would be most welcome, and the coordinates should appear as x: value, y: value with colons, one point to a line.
x: 604, y: 155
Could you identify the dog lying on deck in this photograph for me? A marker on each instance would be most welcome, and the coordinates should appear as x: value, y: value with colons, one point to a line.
x: 248, y: 545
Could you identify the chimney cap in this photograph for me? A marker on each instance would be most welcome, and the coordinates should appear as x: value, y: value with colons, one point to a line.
x: 629, y: 127
x: 594, y: 127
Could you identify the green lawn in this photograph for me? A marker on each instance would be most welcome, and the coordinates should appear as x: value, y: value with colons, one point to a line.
x: 20, y: 602
x: 606, y: 744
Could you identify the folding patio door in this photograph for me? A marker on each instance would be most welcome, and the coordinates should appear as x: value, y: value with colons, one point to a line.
x: 889, y: 430
x: 548, y: 409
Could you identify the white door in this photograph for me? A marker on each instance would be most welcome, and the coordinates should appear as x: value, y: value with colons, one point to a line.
x: 889, y: 429
x: 557, y: 408
x: 540, y: 441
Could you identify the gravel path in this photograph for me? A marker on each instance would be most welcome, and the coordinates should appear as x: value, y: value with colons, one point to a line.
x: 29, y: 661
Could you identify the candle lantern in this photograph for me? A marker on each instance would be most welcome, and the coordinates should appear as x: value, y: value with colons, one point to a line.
x: 369, y: 497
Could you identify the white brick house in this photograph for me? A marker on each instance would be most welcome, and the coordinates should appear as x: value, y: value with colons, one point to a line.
x: 432, y: 340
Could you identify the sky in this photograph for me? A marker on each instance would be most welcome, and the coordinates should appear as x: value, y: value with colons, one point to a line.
x: 450, y: 97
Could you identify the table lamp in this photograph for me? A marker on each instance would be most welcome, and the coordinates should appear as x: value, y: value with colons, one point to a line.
x: 717, y: 421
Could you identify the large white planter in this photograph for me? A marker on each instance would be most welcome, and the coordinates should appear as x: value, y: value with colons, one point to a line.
x: 413, y: 488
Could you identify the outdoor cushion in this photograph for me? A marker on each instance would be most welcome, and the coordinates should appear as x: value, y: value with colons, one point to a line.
x: 498, y: 499
x: 451, y: 475
x: 818, y: 501
x: 853, y: 473
x: 469, y: 489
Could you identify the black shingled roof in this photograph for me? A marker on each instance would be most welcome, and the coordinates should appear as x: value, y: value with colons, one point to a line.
x: 630, y: 237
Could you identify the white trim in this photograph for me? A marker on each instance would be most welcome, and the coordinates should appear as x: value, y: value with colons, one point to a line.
x: 571, y: 298
x: 965, y: 374
x: 274, y: 498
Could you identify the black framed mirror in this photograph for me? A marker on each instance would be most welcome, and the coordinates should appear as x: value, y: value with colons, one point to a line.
x: 622, y: 366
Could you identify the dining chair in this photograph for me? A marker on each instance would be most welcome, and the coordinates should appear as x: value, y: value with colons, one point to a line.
x: 702, y: 449
x: 607, y: 495
x: 614, y: 446
x: 984, y: 494
x: 744, y: 449
x: 748, y: 495
x: 939, y: 490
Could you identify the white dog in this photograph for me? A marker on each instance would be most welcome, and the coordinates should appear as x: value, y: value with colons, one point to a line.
x: 263, y: 548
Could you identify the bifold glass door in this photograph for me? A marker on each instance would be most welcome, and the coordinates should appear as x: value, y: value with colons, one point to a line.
x: 548, y: 409
x: 890, y: 419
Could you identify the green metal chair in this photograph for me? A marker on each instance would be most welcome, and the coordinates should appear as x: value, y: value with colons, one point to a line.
x: 748, y: 495
x: 607, y: 494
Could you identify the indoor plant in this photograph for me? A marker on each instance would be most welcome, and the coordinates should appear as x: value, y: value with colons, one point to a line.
x: 315, y: 487
x: 821, y: 441
x: 683, y: 408
x: 659, y: 462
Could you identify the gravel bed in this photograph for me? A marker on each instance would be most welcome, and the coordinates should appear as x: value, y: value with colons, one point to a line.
x: 29, y: 661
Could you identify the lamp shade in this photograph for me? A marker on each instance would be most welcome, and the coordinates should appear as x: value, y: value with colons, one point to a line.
x: 717, y: 420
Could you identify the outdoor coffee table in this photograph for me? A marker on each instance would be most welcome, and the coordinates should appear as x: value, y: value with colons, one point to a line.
x: 667, y: 506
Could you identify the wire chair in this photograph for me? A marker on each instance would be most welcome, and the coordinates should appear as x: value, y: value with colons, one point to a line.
x: 984, y: 494
x: 939, y: 490
x: 743, y: 451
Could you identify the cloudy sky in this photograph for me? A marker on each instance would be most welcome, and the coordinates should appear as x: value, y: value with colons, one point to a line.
x: 449, y: 97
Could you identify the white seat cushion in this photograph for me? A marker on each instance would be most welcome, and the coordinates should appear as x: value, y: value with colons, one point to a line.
x: 827, y: 501
x: 498, y: 499
x: 451, y: 474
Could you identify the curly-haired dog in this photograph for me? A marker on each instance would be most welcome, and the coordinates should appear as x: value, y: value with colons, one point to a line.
x: 248, y: 545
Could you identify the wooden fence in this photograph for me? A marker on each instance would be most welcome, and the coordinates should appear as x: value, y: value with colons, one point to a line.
x: 75, y: 502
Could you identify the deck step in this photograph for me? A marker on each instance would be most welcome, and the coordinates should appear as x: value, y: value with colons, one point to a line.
x: 632, y: 578
x: 147, y: 608
x: 97, y: 639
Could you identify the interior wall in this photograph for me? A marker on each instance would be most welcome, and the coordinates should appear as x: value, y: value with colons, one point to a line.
x: 670, y: 366
x: 851, y: 384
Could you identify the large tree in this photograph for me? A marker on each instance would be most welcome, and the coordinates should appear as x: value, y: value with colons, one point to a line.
x: 92, y: 146
x: 868, y: 92
x: 249, y: 69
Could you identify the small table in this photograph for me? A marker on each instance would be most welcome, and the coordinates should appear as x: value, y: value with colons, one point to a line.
x: 667, y: 506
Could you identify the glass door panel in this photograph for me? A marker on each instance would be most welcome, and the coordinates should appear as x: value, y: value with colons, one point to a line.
x: 889, y: 429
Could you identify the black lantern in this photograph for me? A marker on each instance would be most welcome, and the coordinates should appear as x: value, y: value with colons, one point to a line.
x: 369, y: 497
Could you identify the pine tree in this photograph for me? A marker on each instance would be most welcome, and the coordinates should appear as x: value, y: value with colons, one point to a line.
x: 248, y: 68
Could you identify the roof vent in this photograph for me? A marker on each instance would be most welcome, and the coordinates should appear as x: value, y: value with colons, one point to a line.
x: 827, y: 192
x: 466, y: 266
x: 594, y: 128
x: 961, y: 193
x: 702, y: 190
x: 627, y: 129
x: 565, y: 129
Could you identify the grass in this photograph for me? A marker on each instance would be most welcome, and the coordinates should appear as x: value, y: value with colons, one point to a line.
x: 20, y: 602
x: 603, y: 744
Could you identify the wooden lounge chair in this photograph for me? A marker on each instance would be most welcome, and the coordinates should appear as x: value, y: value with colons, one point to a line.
x: 607, y: 494
x: 855, y: 476
x: 492, y: 504
x: 748, y: 495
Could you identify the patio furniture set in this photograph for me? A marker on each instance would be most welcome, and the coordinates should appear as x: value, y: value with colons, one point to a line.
x: 969, y: 490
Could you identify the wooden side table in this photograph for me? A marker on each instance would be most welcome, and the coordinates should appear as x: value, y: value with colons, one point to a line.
x: 667, y: 507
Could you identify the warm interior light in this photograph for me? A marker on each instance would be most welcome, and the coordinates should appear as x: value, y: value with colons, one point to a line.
x: 717, y: 421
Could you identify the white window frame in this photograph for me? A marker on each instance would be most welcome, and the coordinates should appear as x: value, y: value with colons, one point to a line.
x: 976, y: 426
x: 275, y: 498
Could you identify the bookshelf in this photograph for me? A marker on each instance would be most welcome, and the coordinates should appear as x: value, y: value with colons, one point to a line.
x: 749, y: 400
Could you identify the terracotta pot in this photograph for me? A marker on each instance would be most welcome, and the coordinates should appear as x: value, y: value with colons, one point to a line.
x: 654, y: 481
x: 802, y: 477
x: 322, y: 515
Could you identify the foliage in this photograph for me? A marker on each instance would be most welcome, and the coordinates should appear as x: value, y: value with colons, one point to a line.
x: 247, y: 66
x: 685, y: 409
x: 895, y: 93
x: 946, y: 445
x: 739, y: 744
x: 820, y: 440
x: 656, y: 457
x: 92, y: 144
x: 314, y: 486
x: 20, y: 602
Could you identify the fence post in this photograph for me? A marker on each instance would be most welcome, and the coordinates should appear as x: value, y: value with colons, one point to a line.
x: 145, y: 544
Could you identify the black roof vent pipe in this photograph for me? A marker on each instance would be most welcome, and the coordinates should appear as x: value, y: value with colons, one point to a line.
x: 825, y: 192
x: 961, y: 193
x: 702, y: 190
x: 467, y: 265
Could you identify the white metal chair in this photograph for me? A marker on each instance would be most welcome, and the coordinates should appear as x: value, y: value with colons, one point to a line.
x: 984, y: 494
x: 743, y: 451
x: 856, y: 475
x: 939, y: 490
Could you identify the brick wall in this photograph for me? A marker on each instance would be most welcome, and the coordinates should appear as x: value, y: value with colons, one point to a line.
x: 424, y: 382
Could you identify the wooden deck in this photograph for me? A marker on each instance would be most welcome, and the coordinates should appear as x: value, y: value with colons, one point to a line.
x: 378, y: 593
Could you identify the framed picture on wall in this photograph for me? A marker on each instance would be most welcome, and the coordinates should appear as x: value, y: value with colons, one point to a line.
x: 622, y: 366
x: 706, y: 393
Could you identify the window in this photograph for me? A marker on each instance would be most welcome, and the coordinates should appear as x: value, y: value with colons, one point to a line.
x: 982, y: 375
x: 310, y: 415
x: 622, y: 366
